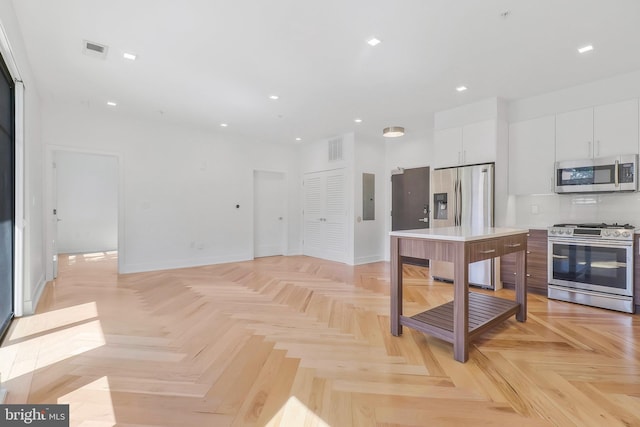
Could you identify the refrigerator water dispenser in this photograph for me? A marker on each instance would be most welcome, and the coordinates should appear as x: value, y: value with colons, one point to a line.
x: 440, y: 204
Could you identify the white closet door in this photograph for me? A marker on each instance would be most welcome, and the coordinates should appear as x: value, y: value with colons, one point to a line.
x: 336, y: 214
x: 313, y: 214
x: 325, y: 218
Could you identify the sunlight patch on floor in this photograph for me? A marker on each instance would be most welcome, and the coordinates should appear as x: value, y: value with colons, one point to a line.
x: 52, y: 348
x: 39, y: 323
x: 295, y: 413
x: 91, y: 403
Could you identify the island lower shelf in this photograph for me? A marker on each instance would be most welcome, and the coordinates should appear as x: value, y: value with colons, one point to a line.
x: 485, y: 311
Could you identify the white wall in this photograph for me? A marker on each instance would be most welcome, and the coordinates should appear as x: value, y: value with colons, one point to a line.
x: 33, y: 251
x: 179, y: 185
x: 542, y: 210
x: 87, y: 195
x: 409, y: 151
x: 369, y: 235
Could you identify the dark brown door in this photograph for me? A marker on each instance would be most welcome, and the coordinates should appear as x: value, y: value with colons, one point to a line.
x: 410, y: 199
x: 410, y: 203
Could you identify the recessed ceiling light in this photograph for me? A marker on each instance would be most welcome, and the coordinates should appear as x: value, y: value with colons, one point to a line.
x: 274, y: 97
x: 461, y: 88
x: 358, y: 120
x: 373, y: 41
x: 129, y: 56
x: 298, y: 139
x: 586, y: 48
x: 224, y: 125
x: 111, y: 104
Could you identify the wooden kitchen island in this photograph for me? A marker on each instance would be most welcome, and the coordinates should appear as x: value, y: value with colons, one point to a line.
x: 470, y: 313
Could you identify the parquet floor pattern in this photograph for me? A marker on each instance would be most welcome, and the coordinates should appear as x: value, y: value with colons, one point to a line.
x: 298, y: 341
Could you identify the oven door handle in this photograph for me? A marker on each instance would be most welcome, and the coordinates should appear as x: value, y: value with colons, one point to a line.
x: 592, y: 243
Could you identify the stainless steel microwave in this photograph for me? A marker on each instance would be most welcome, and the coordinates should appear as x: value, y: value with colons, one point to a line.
x: 603, y: 174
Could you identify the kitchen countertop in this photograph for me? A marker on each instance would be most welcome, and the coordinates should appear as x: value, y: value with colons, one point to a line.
x: 461, y: 234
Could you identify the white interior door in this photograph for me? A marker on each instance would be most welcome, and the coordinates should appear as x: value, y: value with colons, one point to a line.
x: 270, y: 204
x: 54, y: 220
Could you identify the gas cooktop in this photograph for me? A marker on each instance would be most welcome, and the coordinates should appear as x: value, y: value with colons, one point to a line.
x: 601, y: 225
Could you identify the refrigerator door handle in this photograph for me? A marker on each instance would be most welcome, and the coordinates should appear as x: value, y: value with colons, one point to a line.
x: 455, y: 203
x: 460, y: 203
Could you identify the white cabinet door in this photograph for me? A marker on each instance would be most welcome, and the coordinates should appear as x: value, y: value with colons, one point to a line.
x: 574, y: 135
x: 325, y: 215
x: 479, y: 142
x: 448, y: 147
x: 531, y: 156
x: 615, y: 129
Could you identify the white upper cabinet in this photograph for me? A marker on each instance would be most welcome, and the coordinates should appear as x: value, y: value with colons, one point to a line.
x: 574, y: 135
x: 605, y: 130
x: 531, y: 160
x: 448, y: 147
x: 469, y: 144
x: 479, y: 142
x: 615, y: 129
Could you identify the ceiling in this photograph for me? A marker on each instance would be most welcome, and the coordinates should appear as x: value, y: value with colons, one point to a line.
x: 207, y: 62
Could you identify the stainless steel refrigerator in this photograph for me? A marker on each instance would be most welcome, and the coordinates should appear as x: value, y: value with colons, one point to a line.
x: 463, y: 196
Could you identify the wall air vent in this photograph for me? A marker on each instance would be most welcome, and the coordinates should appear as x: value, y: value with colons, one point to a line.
x: 94, y: 49
x: 335, y: 149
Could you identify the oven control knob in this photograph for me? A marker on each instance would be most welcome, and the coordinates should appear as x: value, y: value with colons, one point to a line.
x: 626, y: 234
x: 606, y: 233
x: 553, y: 231
x: 617, y: 234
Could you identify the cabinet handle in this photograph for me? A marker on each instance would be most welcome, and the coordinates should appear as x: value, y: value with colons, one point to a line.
x: 597, y: 148
x: 464, y: 156
x: 512, y: 245
x: 589, y: 149
x: 528, y: 252
x: 528, y: 275
x: 488, y: 251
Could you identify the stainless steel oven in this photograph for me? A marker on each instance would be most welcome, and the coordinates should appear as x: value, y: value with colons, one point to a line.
x: 592, y: 264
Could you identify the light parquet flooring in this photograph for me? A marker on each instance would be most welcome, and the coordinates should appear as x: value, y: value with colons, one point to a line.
x: 297, y: 341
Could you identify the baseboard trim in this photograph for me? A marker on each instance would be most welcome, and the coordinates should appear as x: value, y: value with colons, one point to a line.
x: 368, y: 259
x: 29, y: 306
x: 176, y: 264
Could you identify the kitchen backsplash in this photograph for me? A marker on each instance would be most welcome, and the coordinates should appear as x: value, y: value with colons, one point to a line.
x: 547, y: 209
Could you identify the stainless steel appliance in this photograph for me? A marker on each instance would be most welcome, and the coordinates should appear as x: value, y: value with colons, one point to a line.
x: 603, y: 174
x: 592, y: 264
x: 463, y: 196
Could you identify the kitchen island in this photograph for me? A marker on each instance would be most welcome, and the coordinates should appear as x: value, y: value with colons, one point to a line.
x: 470, y: 313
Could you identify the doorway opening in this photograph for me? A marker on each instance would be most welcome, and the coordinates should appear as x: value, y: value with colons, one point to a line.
x: 269, y: 213
x: 85, y: 204
x: 7, y: 197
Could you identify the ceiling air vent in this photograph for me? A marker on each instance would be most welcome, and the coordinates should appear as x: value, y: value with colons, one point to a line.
x: 94, y: 49
x: 335, y: 149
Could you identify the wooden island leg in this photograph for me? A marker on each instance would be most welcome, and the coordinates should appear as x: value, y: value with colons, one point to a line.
x: 461, y: 305
x: 521, y: 285
x: 396, y: 287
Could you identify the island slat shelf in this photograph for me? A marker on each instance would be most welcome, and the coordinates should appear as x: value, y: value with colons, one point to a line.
x: 484, y: 312
x: 470, y: 313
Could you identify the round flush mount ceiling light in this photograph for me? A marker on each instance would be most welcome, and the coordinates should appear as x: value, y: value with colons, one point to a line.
x: 393, y: 131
